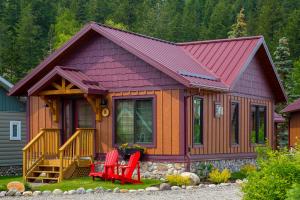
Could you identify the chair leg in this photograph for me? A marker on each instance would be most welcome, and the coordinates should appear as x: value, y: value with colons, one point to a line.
x: 93, y: 178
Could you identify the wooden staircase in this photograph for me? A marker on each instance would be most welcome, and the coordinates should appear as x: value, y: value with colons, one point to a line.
x: 45, y: 162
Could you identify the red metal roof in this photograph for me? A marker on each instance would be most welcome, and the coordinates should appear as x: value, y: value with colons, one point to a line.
x: 293, y: 107
x: 278, y: 118
x: 74, y: 76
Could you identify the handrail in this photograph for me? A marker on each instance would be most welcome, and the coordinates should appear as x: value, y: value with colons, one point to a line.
x: 80, y: 144
x: 44, y: 144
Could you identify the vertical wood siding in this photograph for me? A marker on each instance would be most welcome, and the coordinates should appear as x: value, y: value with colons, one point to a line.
x: 294, y: 128
x: 217, y: 130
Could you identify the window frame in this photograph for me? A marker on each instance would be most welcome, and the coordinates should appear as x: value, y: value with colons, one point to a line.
x: 19, y: 130
x: 154, y: 118
x: 238, y: 123
x: 198, y: 145
x: 257, y: 125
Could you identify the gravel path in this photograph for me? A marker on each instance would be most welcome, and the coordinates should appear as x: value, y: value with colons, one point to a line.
x: 231, y: 192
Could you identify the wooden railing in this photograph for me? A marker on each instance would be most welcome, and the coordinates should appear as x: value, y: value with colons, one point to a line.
x: 44, y: 145
x: 80, y: 145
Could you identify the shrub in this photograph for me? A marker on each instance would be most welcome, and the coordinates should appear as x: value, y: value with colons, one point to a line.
x: 219, y: 177
x: 247, y: 169
x: 178, y: 180
x: 294, y: 193
x: 204, y: 170
x: 3, y: 188
x: 278, y: 170
x: 27, y: 186
x: 238, y: 175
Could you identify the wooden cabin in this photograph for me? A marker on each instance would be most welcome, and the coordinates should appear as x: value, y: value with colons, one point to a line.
x: 12, y: 130
x: 293, y: 111
x: 184, y: 102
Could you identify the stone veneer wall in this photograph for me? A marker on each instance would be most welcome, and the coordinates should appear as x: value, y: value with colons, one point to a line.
x: 11, y: 170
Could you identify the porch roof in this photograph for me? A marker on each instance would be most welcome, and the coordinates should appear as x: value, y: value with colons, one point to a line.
x: 76, y: 77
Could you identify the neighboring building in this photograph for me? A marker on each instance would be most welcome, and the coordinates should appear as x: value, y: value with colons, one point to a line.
x: 12, y: 131
x: 186, y: 102
x: 293, y: 111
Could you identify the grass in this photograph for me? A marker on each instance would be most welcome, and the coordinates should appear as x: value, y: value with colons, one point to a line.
x: 85, y: 182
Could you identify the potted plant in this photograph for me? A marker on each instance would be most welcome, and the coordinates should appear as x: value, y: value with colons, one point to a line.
x: 126, y: 150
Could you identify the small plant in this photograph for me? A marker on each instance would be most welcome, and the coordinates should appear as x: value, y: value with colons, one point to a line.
x: 27, y: 186
x: 178, y: 180
x: 3, y: 188
x: 238, y: 175
x: 219, y: 177
x: 126, y: 150
x: 248, y: 168
x: 204, y: 170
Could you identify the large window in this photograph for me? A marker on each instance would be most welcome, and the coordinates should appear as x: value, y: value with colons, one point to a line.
x: 197, y: 121
x: 234, y: 119
x: 134, y: 121
x: 258, y: 124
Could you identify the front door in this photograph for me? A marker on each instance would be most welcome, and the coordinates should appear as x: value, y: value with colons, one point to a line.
x: 77, y: 113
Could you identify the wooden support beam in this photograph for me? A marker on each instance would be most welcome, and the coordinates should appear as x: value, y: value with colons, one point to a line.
x: 58, y: 87
x: 69, y: 86
x: 60, y: 92
x: 95, y: 104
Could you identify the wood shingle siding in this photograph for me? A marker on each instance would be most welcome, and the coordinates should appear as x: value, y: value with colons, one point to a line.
x: 11, y: 151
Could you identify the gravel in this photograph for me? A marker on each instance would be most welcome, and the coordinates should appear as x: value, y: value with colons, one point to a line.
x: 231, y: 192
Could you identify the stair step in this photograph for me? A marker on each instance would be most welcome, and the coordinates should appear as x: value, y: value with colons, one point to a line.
x: 47, y: 172
x: 42, y: 178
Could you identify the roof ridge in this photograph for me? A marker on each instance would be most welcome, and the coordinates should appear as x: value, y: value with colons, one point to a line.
x: 137, y: 34
x: 219, y: 40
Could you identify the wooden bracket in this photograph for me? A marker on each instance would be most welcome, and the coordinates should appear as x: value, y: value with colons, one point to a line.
x: 95, y: 103
x: 61, y: 89
x: 53, y: 104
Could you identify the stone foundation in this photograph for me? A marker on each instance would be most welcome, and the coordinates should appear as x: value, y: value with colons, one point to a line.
x: 11, y: 170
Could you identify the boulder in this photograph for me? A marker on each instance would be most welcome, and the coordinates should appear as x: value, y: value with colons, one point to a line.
x: 66, y: 193
x: 71, y: 192
x: 194, y: 178
x: 90, y: 191
x: 57, y: 192
x: 212, y: 185
x: 99, y: 189
x: 18, y: 194
x: 11, y: 192
x: 80, y: 190
x: 2, y: 194
x: 36, y: 193
x: 164, y: 186
x: 116, y: 190
x: 27, y: 194
x: 141, y: 190
x: 175, y: 187
x: 124, y: 191
x: 190, y: 187
x: 16, y: 185
x: 108, y: 190
x: 152, y: 189
x: 132, y: 191
x: 46, y: 192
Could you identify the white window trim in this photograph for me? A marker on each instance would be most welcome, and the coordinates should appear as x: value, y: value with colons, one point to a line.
x: 11, y: 124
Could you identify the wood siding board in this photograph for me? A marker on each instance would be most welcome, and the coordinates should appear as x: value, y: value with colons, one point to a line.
x: 167, y: 122
x: 159, y: 124
x: 175, y: 122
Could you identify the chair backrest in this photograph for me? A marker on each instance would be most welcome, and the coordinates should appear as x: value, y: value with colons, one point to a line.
x: 111, y: 159
x: 132, y: 163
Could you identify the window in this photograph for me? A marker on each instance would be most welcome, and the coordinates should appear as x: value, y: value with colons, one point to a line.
x: 258, y: 124
x: 234, y: 119
x: 134, y: 121
x: 15, y: 130
x: 198, y: 121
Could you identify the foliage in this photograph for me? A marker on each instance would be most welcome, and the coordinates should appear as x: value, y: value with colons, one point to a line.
x: 134, y: 146
x: 219, y: 177
x: 278, y: 170
x: 3, y: 188
x: 116, y: 25
x: 296, y: 76
x: 238, y: 175
x: 178, y: 180
x: 247, y: 169
x: 27, y: 186
x: 204, y: 170
x: 294, y: 192
x: 239, y: 29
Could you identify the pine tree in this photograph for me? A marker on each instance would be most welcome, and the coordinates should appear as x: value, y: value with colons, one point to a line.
x: 292, y: 32
x: 239, y: 29
x: 283, y: 63
x: 295, y: 78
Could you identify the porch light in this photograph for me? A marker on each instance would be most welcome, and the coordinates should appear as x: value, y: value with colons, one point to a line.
x: 103, y: 102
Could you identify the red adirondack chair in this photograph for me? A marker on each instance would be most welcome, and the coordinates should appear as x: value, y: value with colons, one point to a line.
x: 127, y: 170
x: 110, y: 164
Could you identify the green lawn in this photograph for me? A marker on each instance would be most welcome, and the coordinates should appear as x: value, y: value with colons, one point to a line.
x: 85, y: 182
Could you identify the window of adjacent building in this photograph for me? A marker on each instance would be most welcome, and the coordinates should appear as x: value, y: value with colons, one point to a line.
x: 134, y: 121
x: 197, y: 121
x: 258, y: 124
x: 15, y: 130
x: 234, y: 119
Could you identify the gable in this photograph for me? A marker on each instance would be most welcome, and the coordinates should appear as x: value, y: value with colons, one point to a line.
x: 114, y: 67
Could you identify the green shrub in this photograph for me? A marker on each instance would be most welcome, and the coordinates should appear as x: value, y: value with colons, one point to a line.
x: 219, y: 177
x: 178, y: 180
x: 204, y: 170
x: 238, y: 175
x: 278, y: 170
x: 248, y: 169
x: 3, y: 188
x: 27, y: 186
x: 294, y: 193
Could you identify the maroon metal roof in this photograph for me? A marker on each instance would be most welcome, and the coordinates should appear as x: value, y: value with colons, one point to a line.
x: 278, y: 118
x: 74, y: 76
x: 293, y: 107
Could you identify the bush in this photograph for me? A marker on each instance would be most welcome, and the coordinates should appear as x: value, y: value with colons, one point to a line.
x: 27, y: 186
x: 294, y: 193
x: 238, y: 175
x: 278, y: 170
x: 248, y: 169
x: 3, y: 188
x: 178, y: 180
x: 204, y: 170
x: 219, y: 177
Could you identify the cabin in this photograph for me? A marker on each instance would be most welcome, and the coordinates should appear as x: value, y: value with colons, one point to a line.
x: 185, y: 102
x: 293, y: 112
x: 12, y: 130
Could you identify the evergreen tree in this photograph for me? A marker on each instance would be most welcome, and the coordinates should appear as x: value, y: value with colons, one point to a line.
x: 292, y: 32
x: 116, y: 25
x: 239, y: 29
x: 296, y: 80
x: 283, y: 63
x: 65, y: 27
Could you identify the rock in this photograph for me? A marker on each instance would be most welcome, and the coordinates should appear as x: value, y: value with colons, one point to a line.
x: 27, y: 194
x: 108, y: 190
x: 178, y: 166
x: 99, y: 190
x: 2, y: 194
x: 162, y: 180
x: 132, y: 191
x: 238, y: 181
x: 175, y: 188
x: 18, y: 194
x: 124, y: 191
x: 11, y: 192
x: 212, y: 185
x: 164, y: 186
x: 66, y: 193
x: 16, y: 185
x: 194, y: 178
x: 152, y: 189
x: 224, y: 184
x: 80, y: 190
x: 71, y: 192
x: 90, y: 191
x: 57, y: 192
x: 46, y: 192
x: 190, y: 187
x: 141, y: 190
x: 116, y: 190
x: 36, y: 193
x: 201, y: 185
x: 183, y: 186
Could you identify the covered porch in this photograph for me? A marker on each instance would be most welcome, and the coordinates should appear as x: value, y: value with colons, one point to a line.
x: 74, y: 101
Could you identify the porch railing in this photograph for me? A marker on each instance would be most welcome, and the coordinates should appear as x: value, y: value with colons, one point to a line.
x: 45, y: 144
x: 80, y: 145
